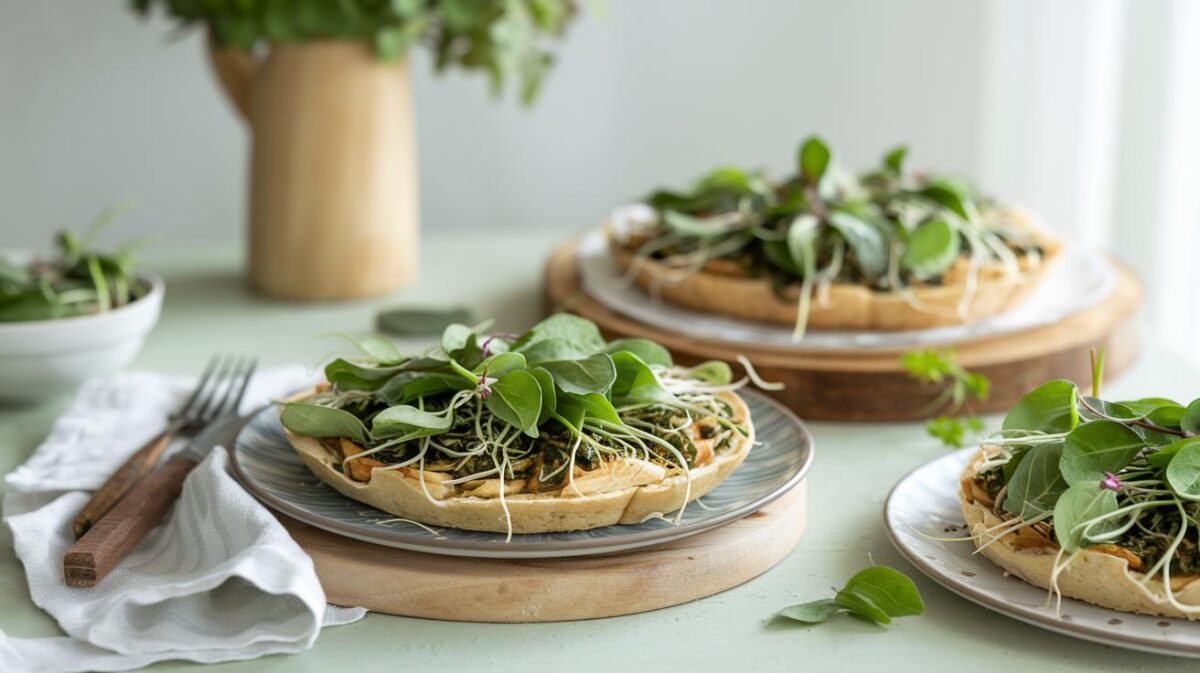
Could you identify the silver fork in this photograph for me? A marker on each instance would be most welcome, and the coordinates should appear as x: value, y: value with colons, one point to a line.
x: 218, y: 393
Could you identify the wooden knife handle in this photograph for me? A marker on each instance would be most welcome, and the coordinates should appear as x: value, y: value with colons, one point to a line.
x: 118, y: 484
x: 119, y: 531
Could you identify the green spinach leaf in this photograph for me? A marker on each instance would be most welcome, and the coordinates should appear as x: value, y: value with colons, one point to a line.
x: 381, y: 350
x: 1190, y: 421
x: 516, y: 399
x: 562, y: 336
x: 500, y: 364
x: 877, y: 594
x: 403, y: 419
x: 813, y: 612
x: 650, y: 352
x: 813, y: 158
x: 932, y: 247
x: 1183, y: 472
x: 549, y: 394
x: 1050, y: 408
x: 893, y: 161
x: 591, y: 405
x: 1081, y: 503
x: 1094, y: 448
x: 1163, y: 457
x: 636, y: 382
x: 461, y: 345
x: 348, y: 375
x: 593, y: 374
x: 1037, y: 482
x: 861, y: 606
x: 865, y: 239
x: 313, y: 420
x: 713, y: 372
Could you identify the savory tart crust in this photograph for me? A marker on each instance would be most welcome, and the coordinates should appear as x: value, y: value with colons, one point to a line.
x: 1100, y: 575
x: 625, y: 491
x: 847, y: 305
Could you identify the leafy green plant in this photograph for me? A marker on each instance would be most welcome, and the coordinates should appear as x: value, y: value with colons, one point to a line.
x: 959, y: 386
x: 78, y: 280
x: 507, y: 39
x: 531, y: 407
x: 876, y: 594
x: 887, y: 229
x: 1090, y: 472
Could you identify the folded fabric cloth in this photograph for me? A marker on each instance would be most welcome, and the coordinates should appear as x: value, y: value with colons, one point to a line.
x: 218, y: 580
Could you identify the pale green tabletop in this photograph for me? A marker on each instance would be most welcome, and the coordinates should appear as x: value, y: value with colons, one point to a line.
x: 208, y: 309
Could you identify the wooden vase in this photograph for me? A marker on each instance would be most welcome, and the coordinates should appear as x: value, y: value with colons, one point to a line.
x: 333, y: 177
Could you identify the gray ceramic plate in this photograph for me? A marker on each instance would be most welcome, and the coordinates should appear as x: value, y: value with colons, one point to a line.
x: 268, y: 467
x: 926, y: 502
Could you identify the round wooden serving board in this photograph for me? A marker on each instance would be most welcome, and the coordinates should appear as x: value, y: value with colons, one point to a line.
x: 413, y: 584
x: 869, y: 384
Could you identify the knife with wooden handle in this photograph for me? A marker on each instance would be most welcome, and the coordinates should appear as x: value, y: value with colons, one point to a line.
x: 115, y: 488
x: 111, y: 538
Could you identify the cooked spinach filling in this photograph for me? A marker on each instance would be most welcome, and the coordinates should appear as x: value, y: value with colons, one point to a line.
x: 1149, y: 539
x: 461, y: 452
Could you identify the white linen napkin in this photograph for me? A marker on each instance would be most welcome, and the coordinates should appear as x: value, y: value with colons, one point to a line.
x: 219, y: 580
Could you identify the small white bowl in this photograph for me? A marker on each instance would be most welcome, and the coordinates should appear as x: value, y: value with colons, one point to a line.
x: 43, y: 358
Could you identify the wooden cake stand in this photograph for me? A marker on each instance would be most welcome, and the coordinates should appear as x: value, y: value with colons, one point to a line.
x: 869, y: 384
x: 413, y: 584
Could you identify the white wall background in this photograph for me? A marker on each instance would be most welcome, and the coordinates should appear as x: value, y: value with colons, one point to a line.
x: 96, y: 105
x: 1086, y: 110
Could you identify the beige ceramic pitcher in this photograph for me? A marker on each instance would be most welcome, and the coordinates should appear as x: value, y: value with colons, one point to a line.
x: 333, y: 183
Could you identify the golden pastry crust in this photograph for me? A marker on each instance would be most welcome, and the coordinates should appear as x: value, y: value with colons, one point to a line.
x: 1101, y: 575
x: 625, y: 491
x: 716, y: 289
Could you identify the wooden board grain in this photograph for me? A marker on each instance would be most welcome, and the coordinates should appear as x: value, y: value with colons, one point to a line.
x: 413, y: 584
x: 869, y: 384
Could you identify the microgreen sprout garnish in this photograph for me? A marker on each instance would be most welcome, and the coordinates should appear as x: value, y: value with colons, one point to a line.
x: 78, y: 280
x: 531, y: 411
x: 1083, y: 471
x: 887, y: 229
x: 876, y: 594
x: 959, y: 386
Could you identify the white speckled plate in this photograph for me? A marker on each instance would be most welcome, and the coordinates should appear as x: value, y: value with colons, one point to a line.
x: 269, y: 468
x: 1078, y: 280
x: 926, y: 502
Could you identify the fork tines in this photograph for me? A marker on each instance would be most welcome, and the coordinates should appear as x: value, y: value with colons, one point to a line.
x: 219, y: 391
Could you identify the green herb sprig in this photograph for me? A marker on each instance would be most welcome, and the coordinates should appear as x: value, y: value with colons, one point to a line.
x: 887, y: 229
x: 959, y: 386
x: 1125, y: 473
x: 507, y: 39
x: 876, y: 594
x: 78, y: 280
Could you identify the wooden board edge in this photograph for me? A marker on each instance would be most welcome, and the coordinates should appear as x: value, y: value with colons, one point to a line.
x: 413, y: 584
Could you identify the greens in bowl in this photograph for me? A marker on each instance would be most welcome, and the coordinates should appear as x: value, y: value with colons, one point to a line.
x: 555, y: 429
x: 78, y: 279
x: 1093, y: 499
x: 74, y: 315
x: 888, y: 249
